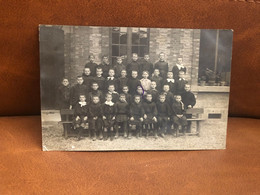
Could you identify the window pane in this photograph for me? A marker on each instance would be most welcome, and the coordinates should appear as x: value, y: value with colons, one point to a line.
x: 135, y: 49
x: 123, y: 37
x: 115, y: 29
x: 123, y: 29
x: 135, y: 38
x: 123, y: 50
x: 115, y: 38
x: 115, y: 50
x: 143, y: 39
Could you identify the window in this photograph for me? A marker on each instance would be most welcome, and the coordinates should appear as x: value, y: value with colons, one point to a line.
x: 126, y: 41
x: 215, y: 57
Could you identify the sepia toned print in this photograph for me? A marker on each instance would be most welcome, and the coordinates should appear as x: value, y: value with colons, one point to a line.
x: 134, y: 88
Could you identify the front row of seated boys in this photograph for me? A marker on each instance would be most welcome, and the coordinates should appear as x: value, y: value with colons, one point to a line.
x: 140, y: 117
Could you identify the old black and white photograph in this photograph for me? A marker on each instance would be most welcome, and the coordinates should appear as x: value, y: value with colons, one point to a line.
x: 134, y: 88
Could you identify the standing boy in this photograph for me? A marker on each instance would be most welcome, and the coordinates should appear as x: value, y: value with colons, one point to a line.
x: 162, y: 65
x: 119, y: 66
x: 76, y: 90
x: 145, y: 82
x: 91, y: 65
x: 63, y: 95
x: 134, y: 65
x: 188, y: 97
x: 156, y: 77
x: 122, y: 81
x: 105, y: 66
x: 180, y: 83
x: 87, y: 78
x: 133, y: 82
x: 177, y: 68
x: 147, y: 65
x: 99, y: 79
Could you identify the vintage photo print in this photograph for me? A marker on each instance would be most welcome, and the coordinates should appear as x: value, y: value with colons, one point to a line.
x: 134, y: 88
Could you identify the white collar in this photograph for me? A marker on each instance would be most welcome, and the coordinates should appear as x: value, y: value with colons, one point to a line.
x: 114, y: 92
x: 180, y: 66
x: 109, y: 103
x: 82, y: 104
x: 112, y: 78
x: 181, y: 79
x: 170, y: 80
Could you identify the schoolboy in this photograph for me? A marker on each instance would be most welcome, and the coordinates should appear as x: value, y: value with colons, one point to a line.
x: 139, y: 92
x: 81, y: 113
x: 91, y: 65
x: 162, y: 65
x: 146, y: 65
x: 76, y: 90
x: 95, y: 118
x: 63, y: 94
x: 133, y: 82
x: 119, y: 66
x: 171, y: 82
x: 168, y: 95
x: 99, y: 79
x: 108, y: 116
x: 156, y: 77
x: 180, y: 83
x: 88, y: 79
x: 122, y: 81
x: 188, y: 97
x: 150, y: 115
x: 95, y: 92
x: 145, y: 82
x: 178, y: 112
x: 136, y: 116
x: 164, y: 112
x: 128, y: 96
x: 134, y: 65
x: 105, y: 66
x: 177, y: 68
x: 111, y: 80
x: 122, y: 112
x: 113, y: 93
x: 154, y: 91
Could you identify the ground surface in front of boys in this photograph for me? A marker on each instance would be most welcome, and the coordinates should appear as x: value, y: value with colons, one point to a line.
x: 212, y: 136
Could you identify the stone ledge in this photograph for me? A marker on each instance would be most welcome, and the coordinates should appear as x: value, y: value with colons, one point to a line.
x: 213, y: 89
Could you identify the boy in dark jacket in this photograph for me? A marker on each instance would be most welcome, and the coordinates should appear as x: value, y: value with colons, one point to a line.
x: 99, y: 79
x: 91, y: 65
x: 180, y: 83
x: 136, y: 116
x: 168, y: 95
x: 113, y: 93
x: 164, y: 112
x: 134, y: 65
x: 119, y: 66
x: 128, y: 97
x: 162, y: 65
x: 188, y: 97
x: 171, y: 82
x: 108, y: 112
x: 177, y: 68
x: 95, y: 118
x: 76, y: 90
x: 150, y: 115
x: 105, y: 66
x: 63, y: 95
x: 178, y: 112
x: 88, y: 79
x: 146, y: 65
x: 157, y: 79
x: 122, y: 81
x: 95, y: 92
x: 122, y: 111
x: 154, y: 92
x: 81, y: 113
x: 133, y: 82
x: 111, y: 80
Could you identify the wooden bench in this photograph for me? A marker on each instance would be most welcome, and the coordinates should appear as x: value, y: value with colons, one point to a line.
x: 195, y: 116
x: 67, y: 121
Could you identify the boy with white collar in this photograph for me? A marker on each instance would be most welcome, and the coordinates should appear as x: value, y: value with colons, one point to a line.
x: 145, y: 82
x: 171, y: 82
x: 111, y: 80
x: 180, y: 83
x: 113, y: 93
x: 177, y: 68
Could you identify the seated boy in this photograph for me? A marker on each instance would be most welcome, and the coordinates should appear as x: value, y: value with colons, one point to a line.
x: 180, y: 83
x: 108, y: 112
x: 164, y: 111
x: 122, y: 81
x: 119, y: 66
x: 76, y: 90
x: 150, y: 114
x: 95, y: 118
x: 113, y: 93
x: 133, y: 82
x: 157, y: 79
x: 188, y: 97
x: 99, y: 79
x: 145, y: 82
x: 178, y: 112
x: 136, y: 116
x: 81, y: 113
x: 95, y: 92
x: 122, y: 111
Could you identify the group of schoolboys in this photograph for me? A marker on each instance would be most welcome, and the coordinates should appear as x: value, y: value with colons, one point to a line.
x: 138, y: 97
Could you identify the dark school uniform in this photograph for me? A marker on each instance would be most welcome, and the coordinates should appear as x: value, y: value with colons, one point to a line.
x: 118, y: 68
x: 172, y: 85
x: 136, y: 111
x: 80, y: 111
x: 163, y: 68
x: 155, y: 94
x: 110, y: 81
x: 164, y: 112
x: 105, y: 68
x: 121, y: 82
x: 134, y: 65
x: 95, y: 93
x: 169, y: 98
x: 180, y: 84
x: 100, y: 81
x: 158, y: 81
x: 150, y: 110
x: 146, y: 66
x: 176, y: 70
x: 178, y: 109
x: 115, y: 96
x: 95, y: 110
x: 88, y: 79
x: 122, y: 111
x: 132, y: 84
x: 92, y: 66
x: 76, y: 91
x: 108, y: 110
x: 188, y: 98
x: 63, y: 97
x: 128, y: 98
